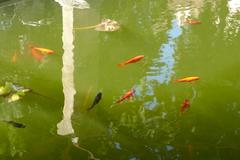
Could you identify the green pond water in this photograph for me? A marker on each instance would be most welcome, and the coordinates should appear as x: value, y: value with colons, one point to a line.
x: 148, y: 126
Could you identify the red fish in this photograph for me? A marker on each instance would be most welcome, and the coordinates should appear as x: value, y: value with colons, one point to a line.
x: 188, y: 79
x: 185, y: 105
x: 132, y: 60
x: 127, y: 95
x: 192, y: 21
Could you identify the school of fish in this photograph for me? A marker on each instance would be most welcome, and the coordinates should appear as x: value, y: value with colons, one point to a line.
x: 39, y: 53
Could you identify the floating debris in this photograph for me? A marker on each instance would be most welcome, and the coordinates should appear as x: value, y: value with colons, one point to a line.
x: 107, y: 25
x: 132, y: 60
x: 37, y: 23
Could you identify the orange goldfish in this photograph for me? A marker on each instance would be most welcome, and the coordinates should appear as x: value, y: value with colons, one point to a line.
x: 44, y: 51
x: 127, y: 95
x: 132, y: 60
x: 39, y: 53
x: 14, y: 57
x: 188, y: 79
x: 192, y: 21
x: 185, y: 105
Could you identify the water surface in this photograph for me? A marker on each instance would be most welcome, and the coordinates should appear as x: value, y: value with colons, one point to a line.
x: 147, y: 126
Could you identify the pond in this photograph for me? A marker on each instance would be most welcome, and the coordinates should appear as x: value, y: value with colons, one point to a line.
x: 64, y: 68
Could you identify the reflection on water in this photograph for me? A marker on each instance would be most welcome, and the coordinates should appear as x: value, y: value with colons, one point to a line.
x: 145, y: 128
x: 162, y: 67
x: 232, y: 27
x: 37, y: 23
x: 6, y: 20
x: 65, y: 126
x: 80, y: 4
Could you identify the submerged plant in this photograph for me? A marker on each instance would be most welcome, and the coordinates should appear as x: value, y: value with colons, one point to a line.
x: 13, y: 92
x: 107, y: 25
x: 6, y: 89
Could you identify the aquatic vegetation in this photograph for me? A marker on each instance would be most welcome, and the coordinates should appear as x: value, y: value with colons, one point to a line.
x: 13, y: 92
x: 18, y: 95
x: 107, y: 25
x: 6, y: 89
x: 188, y: 79
x: 96, y: 100
x: 132, y: 60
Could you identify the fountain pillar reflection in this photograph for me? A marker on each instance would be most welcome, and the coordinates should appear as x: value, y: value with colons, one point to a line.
x: 65, y: 126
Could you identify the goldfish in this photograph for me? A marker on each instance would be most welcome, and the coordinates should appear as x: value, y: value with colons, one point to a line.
x: 127, y: 95
x: 14, y: 57
x: 192, y: 21
x: 44, y: 51
x: 38, y: 53
x: 185, y: 105
x: 96, y: 100
x: 188, y: 79
x: 132, y: 60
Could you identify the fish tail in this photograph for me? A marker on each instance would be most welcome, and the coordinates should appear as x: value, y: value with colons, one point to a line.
x: 178, y: 80
x: 121, y: 64
x: 119, y: 101
x: 91, y: 107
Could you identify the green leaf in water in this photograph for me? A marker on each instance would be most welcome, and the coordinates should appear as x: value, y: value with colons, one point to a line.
x: 5, y: 90
x: 14, y: 97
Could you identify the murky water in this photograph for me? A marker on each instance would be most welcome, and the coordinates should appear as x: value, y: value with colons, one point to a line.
x: 146, y: 127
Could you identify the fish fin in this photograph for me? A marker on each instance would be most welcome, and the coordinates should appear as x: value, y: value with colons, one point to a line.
x: 118, y: 101
x: 90, y: 108
x: 36, y: 55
